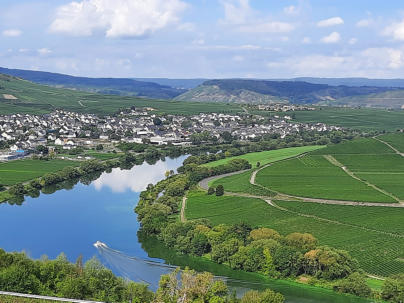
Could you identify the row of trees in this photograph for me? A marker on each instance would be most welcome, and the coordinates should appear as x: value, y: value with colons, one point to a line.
x: 92, y: 281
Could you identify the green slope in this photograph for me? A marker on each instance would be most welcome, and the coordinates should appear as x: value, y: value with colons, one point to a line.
x: 20, y: 96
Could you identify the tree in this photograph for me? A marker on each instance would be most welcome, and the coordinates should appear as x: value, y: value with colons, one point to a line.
x: 219, y: 190
x: 157, y: 121
x: 264, y: 233
x: 99, y: 147
x: 258, y: 164
x: 393, y: 289
x: 211, y: 190
x: 354, y: 284
x: 167, y: 173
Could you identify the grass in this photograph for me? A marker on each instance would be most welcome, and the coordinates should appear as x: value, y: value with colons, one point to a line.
x: 392, y: 183
x: 377, y: 253
x: 240, y: 183
x: 266, y: 157
x: 12, y: 299
x: 39, y: 99
x: 315, y: 177
x: 359, y: 146
x: 17, y: 171
x: 396, y: 140
x: 102, y: 156
x: 362, y: 118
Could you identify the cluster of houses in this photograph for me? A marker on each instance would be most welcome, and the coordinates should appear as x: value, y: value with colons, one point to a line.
x: 284, y: 107
x: 68, y: 130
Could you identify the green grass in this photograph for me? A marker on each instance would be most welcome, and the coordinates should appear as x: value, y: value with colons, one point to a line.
x: 372, y: 163
x: 315, y: 177
x: 17, y: 171
x: 359, y: 146
x: 266, y: 157
x: 102, y: 156
x: 240, y: 183
x: 12, y: 299
x: 377, y: 253
x: 392, y: 183
x: 396, y: 140
x: 363, y: 118
x: 38, y: 99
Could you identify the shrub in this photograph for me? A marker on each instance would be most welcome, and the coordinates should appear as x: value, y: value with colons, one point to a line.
x: 211, y: 190
x: 219, y: 190
x: 354, y: 284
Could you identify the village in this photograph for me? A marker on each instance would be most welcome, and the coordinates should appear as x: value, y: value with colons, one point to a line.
x: 22, y: 133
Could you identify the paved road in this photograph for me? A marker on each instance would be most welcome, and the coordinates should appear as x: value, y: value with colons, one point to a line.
x: 14, y: 294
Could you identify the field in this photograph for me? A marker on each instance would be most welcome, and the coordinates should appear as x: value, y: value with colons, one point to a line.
x: 368, y: 234
x: 17, y: 171
x: 362, y: 118
x: 240, y: 183
x: 38, y: 99
x: 10, y: 299
x: 396, y: 140
x: 359, y: 146
x: 314, y: 176
x: 266, y: 157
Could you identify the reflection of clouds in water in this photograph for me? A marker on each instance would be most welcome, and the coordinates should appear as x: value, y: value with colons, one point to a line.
x: 135, y: 179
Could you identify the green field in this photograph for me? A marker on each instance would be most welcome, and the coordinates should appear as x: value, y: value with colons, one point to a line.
x: 266, y: 157
x: 17, y: 171
x: 356, y: 147
x: 240, y: 183
x: 358, y: 118
x: 359, y: 230
x: 396, y: 140
x: 38, y: 99
x: 315, y: 177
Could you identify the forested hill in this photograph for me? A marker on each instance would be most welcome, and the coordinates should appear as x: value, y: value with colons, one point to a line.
x: 299, y: 92
x: 112, y: 86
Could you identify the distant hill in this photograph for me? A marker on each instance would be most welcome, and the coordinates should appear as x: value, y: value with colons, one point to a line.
x: 111, y: 86
x: 176, y: 83
x: 22, y: 96
x: 353, y: 81
x: 298, y: 92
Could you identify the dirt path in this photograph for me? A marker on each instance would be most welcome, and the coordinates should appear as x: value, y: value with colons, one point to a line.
x: 184, y: 204
x: 205, y: 182
x: 335, y: 162
x: 389, y: 145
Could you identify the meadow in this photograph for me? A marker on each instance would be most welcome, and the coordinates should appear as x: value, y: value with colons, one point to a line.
x: 240, y: 183
x: 396, y: 140
x: 38, y: 99
x: 315, y: 177
x: 17, y: 171
x: 377, y: 252
x: 356, y: 118
x: 269, y: 156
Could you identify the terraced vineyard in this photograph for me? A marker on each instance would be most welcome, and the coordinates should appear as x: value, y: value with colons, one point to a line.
x: 364, y: 170
x: 396, y: 140
x: 361, y: 170
x: 379, y: 252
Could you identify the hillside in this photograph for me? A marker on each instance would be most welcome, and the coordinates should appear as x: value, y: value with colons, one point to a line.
x: 21, y: 96
x: 112, y: 86
x: 353, y: 81
x: 262, y: 91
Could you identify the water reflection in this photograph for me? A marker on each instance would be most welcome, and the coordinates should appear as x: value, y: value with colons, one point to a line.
x: 137, y: 178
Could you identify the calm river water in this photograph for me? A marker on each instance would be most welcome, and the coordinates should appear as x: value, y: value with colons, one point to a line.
x: 71, y: 221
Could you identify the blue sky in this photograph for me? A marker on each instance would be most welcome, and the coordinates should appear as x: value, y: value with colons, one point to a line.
x: 205, y: 38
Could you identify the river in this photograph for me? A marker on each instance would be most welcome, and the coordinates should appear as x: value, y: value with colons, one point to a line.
x: 71, y: 221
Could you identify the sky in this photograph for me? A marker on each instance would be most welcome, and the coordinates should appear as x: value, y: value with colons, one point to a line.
x: 268, y: 39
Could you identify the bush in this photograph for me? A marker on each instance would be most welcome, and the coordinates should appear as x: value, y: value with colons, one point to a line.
x: 211, y: 190
x: 355, y: 284
x: 219, y: 190
x: 393, y: 289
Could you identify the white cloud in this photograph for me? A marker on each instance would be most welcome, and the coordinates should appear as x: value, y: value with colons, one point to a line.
x: 44, y: 51
x: 12, y: 33
x: 364, y: 23
x: 334, y: 37
x: 238, y: 58
x: 306, y: 40
x: 238, y: 13
x: 396, y: 30
x: 353, y: 41
x: 116, y: 18
x: 291, y: 10
x: 198, y: 42
x: 330, y: 22
x: 268, y: 27
x: 383, y: 57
